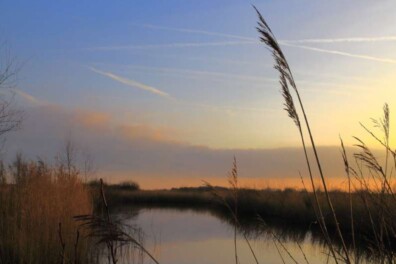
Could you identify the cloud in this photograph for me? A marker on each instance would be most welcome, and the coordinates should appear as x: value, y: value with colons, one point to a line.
x: 341, y: 53
x: 142, y: 152
x: 200, y: 32
x: 289, y: 43
x: 229, y: 109
x: 341, y: 40
x: 242, y: 77
x: 131, y: 83
x: 177, y: 45
x: 46, y: 127
x: 144, y: 132
x: 92, y: 119
x: 28, y: 97
x: 195, y: 73
x: 309, y: 40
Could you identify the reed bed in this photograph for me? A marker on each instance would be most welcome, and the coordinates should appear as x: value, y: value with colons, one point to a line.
x: 288, y: 206
x: 37, y: 206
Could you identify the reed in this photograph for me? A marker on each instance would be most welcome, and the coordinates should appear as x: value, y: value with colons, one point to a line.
x: 37, y: 206
x: 290, y: 207
x: 113, y: 234
x: 374, y: 177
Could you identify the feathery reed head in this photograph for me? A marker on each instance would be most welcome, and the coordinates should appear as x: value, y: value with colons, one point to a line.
x: 367, y: 157
x: 281, y: 65
x: 233, y: 176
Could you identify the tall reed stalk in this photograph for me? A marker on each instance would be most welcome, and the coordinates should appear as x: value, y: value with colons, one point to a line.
x: 109, y: 232
x: 375, y: 179
x: 286, y: 78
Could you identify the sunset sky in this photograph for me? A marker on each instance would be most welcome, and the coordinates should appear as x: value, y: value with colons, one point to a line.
x: 156, y: 90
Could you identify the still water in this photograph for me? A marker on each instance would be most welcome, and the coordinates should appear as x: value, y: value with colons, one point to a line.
x: 190, y: 237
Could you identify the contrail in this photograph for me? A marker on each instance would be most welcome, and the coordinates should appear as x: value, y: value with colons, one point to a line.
x: 201, y: 32
x: 341, y: 40
x: 220, y: 75
x: 131, y: 83
x: 332, y: 88
x: 290, y: 43
x: 156, y: 91
x: 232, y: 108
x: 177, y: 45
x: 309, y: 40
x: 341, y: 53
x: 30, y: 98
x: 190, y: 73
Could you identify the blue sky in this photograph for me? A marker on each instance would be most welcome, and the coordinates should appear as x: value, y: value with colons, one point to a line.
x: 194, y: 72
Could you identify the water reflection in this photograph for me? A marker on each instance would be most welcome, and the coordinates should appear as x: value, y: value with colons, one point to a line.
x: 195, y: 237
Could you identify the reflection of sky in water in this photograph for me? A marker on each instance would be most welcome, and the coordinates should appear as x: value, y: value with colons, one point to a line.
x: 187, y: 237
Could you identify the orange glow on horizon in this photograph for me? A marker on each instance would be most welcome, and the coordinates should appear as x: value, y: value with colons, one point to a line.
x: 155, y: 182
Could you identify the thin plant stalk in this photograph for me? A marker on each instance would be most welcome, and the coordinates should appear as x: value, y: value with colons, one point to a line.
x: 280, y: 254
x: 109, y: 232
x: 348, y: 173
x: 110, y: 244
x: 303, y: 253
x: 286, y: 76
x: 233, y: 180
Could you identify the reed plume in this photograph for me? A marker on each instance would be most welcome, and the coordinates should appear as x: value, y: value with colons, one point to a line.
x: 286, y: 79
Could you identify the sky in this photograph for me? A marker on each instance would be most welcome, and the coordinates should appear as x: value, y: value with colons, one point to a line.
x: 157, y: 90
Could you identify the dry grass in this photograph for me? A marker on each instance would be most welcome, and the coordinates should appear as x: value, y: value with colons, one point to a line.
x: 37, y: 209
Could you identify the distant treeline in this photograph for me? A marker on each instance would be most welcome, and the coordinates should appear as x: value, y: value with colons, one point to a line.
x: 288, y: 206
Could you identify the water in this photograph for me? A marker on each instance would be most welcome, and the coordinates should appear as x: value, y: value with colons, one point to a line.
x: 190, y: 237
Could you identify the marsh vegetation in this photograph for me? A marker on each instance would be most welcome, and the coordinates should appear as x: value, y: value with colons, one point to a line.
x: 51, y: 214
x: 37, y: 207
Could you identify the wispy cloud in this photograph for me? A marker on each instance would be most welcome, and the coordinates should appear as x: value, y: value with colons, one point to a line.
x: 199, y: 74
x: 200, y: 32
x: 341, y: 53
x: 334, y: 86
x: 232, y: 108
x: 28, y: 97
x: 179, y: 71
x: 294, y: 43
x: 340, y: 40
x: 330, y: 87
x: 131, y: 83
x: 308, y: 40
x: 329, y: 91
x: 176, y: 45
